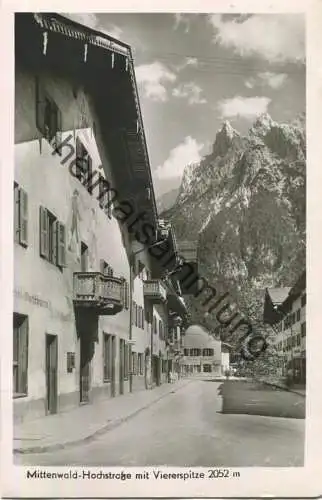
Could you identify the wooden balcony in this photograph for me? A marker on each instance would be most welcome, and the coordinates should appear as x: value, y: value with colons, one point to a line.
x: 103, y: 294
x: 154, y: 290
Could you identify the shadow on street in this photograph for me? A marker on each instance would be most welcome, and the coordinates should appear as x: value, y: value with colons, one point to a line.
x: 251, y: 398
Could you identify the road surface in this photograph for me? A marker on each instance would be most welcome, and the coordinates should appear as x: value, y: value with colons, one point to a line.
x: 189, y: 429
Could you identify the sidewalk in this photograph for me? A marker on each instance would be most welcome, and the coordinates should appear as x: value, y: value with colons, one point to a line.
x: 276, y: 383
x: 84, y: 423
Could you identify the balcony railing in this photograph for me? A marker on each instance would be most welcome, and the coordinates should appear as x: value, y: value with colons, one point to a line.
x: 154, y: 290
x: 97, y: 291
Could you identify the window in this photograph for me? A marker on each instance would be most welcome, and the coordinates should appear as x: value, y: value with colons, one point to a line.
x: 155, y: 325
x: 161, y: 333
x: 207, y: 368
x: 48, y: 117
x: 140, y: 317
x: 293, y: 341
x: 105, y: 268
x: 104, y: 196
x: 195, y: 352
x: 303, y: 300
x: 126, y: 294
x: 70, y: 362
x: 52, y: 238
x: 20, y: 215
x: 107, y: 357
x: 20, y: 355
x: 126, y: 360
x: 298, y: 339
x: 303, y: 329
x: 186, y: 352
x: 140, y: 364
x: 298, y: 315
x: 208, y: 352
x: 134, y: 367
x: 135, y: 314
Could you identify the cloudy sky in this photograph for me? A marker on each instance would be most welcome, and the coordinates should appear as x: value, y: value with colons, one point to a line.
x: 195, y: 71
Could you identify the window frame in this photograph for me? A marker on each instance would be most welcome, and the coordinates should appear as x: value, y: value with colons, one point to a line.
x: 20, y: 215
x: 52, y: 238
x: 21, y: 348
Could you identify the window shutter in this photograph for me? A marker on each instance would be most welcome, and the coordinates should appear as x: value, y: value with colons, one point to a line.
x: 16, y: 213
x: 40, y: 107
x: 61, y: 245
x: 23, y: 217
x: 79, y: 159
x: 88, y: 177
x: 44, y: 233
x: 133, y: 312
x: 53, y: 245
x: 23, y: 348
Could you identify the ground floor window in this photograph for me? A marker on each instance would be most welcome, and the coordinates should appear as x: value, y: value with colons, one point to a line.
x: 135, y: 363
x: 20, y: 355
x: 198, y: 368
x: 107, y: 357
x: 207, y: 368
x: 126, y: 360
x: 140, y: 363
x: 164, y: 366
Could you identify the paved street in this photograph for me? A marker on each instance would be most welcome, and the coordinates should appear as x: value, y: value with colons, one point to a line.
x: 260, y: 399
x: 188, y: 428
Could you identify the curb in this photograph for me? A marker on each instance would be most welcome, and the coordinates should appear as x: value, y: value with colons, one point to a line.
x: 282, y: 387
x: 91, y: 437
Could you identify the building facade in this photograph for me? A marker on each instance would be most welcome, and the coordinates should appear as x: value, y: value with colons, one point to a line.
x: 201, y: 353
x: 288, y: 318
x: 87, y: 321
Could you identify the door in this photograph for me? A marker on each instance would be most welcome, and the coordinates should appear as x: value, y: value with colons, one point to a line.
x: 85, y: 365
x: 121, y: 358
x: 51, y: 372
x: 113, y: 366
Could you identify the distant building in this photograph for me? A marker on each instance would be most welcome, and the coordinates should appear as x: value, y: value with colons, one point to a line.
x: 202, y: 354
x: 285, y: 311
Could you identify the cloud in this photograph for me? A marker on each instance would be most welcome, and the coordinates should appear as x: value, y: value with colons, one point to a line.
x: 190, y: 91
x: 87, y: 18
x: 114, y: 31
x: 273, y: 80
x: 189, y: 61
x: 245, y: 107
x: 153, y: 78
x: 184, y: 154
x: 276, y: 37
x: 182, y: 19
x: 91, y: 20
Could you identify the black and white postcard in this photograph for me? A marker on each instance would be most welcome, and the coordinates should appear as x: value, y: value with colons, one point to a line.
x: 161, y: 219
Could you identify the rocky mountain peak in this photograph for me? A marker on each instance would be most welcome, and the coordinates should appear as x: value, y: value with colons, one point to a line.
x: 224, y: 139
x: 246, y: 203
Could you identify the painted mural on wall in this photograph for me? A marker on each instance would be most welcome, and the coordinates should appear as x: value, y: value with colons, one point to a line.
x: 74, y: 238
